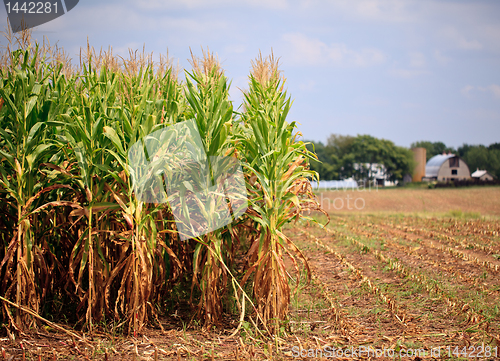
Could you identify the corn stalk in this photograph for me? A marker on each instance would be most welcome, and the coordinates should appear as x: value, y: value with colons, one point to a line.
x: 277, y: 164
x: 25, y: 92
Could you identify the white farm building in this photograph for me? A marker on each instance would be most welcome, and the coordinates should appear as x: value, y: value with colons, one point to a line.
x: 482, y: 175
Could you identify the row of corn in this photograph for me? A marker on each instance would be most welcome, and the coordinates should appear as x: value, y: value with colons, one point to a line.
x: 77, y: 242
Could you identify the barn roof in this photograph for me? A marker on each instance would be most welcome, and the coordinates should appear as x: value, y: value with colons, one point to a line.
x: 433, y: 165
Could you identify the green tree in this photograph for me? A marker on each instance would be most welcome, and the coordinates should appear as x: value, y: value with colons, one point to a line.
x: 482, y: 157
x: 339, y: 149
x: 495, y: 162
x: 345, y: 156
x: 400, y: 161
x: 367, y: 151
x: 327, y: 163
x: 396, y: 161
x: 494, y: 146
x: 334, y: 160
x: 340, y: 144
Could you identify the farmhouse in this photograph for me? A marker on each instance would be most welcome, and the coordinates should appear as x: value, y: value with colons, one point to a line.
x: 446, y: 167
x: 482, y: 175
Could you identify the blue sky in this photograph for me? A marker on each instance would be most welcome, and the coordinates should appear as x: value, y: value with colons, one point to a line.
x: 399, y: 70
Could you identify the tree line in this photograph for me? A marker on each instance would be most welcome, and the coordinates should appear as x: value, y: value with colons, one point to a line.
x: 346, y: 156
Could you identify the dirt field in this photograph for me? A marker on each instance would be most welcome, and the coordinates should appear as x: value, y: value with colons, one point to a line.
x: 414, y: 275
x: 484, y: 201
x: 406, y: 283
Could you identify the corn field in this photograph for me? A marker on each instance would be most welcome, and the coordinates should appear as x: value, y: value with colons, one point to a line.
x: 76, y: 241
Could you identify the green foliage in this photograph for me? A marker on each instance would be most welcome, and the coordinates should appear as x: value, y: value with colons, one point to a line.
x: 327, y: 164
x: 347, y: 156
x: 433, y: 148
x: 29, y: 106
x: 278, y: 168
x: 481, y: 157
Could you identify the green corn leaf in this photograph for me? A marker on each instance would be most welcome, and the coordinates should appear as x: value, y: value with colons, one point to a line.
x: 37, y: 152
x: 7, y: 156
x: 113, y: 136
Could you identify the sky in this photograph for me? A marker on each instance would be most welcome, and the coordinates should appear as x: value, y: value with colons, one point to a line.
x: 399, y: 70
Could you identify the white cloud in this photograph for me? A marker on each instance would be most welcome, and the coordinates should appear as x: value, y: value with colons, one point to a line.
x: 204, y: 4
x: 466, y: 90
x: 493, y: 89
x: 114, y: 19
x: 310, y: 51
x: 467, y: 25
x: 456, y: 38
x: 491, y: 36
x: 417, y: 60
x: 466, y: 44
x: 407, y: 73
x: 441, y: 58
x: 272, y: 4
x: 416, y: 67
x: 376, y: 10
x: 392, y: 10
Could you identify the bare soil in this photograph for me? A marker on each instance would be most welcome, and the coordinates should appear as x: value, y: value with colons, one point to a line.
x: 481, y: 200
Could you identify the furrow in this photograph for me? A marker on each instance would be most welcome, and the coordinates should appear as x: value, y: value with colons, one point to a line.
x: 432, y: 287
x: 394, y: 310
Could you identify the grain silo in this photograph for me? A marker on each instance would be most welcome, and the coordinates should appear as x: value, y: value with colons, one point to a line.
x: 420, y: 155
